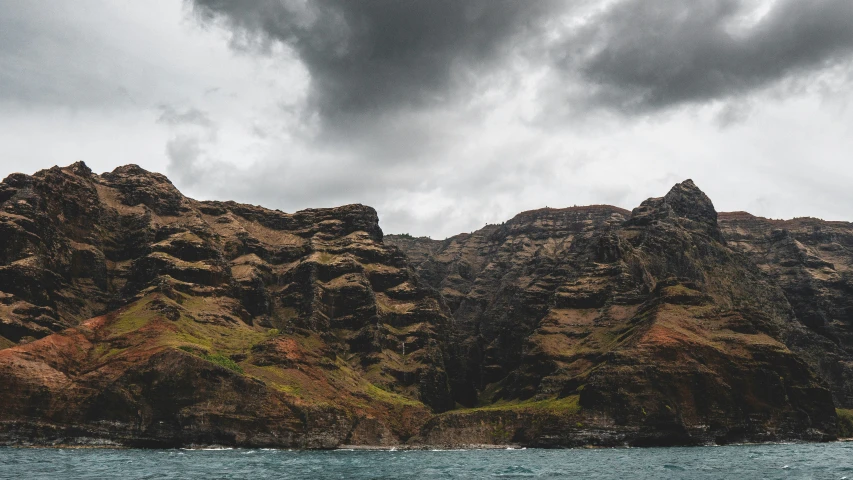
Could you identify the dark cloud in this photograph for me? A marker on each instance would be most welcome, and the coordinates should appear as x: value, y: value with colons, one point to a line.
x: 371, y: 56
x: 448, y: 105
x: 378, y: 55
x: 653, y: 54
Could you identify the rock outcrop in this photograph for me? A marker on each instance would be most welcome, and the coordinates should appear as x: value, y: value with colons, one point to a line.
x: 132, y: 314
x: 596, y: 325
x: 812, y: 261
x: 144, y: 317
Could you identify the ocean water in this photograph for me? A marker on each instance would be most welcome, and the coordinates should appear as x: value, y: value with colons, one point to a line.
x: 788, y: 461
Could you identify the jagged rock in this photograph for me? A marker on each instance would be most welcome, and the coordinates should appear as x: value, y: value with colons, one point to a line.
x: 131, y: 313
x: 173, y: 312
x: 643, y: 329
x: 812, y: 261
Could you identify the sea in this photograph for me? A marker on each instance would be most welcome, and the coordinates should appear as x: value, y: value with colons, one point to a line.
x: 769, y: 461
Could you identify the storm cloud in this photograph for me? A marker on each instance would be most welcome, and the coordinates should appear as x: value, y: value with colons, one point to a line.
x: 372, y: 55
x: 442, y: 114
x: 652, y: 54
x: 369, y: 56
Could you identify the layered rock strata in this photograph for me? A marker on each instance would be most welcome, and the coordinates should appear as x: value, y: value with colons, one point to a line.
x: 149, y: 318
x: 132, y: 314
x: 598, y: 325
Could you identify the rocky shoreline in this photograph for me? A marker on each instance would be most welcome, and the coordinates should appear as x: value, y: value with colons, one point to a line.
x: 108, y: 445
x: 73, y: 437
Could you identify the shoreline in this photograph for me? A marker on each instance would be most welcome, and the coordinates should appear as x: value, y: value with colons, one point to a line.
x: 391, y: 448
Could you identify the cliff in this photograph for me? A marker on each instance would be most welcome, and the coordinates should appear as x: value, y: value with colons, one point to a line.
x: 812, y: 262
x: 134, y: 315
x: 148, y: 318
x: 598, y: 325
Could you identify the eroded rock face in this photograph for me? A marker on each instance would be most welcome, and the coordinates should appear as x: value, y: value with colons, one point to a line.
x: 602, y: 326
x: 150, y: 318
x: 53, y: 270
x: 812, y: 261
x: 133, y: 314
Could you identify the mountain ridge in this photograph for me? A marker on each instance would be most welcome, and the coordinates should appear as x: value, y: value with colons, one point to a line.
x: 134, y: 315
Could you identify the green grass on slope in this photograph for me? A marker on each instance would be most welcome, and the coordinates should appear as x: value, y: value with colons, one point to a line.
x: 216, y: 358
x: 220, y: 337
x: 384, y: 396
x: 134, y: 317
x: 213, y: 342
x: 845, y: 422
x: 313, y: 378
x: 565, y: 406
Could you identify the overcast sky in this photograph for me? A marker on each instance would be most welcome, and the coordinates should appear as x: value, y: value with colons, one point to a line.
x: 444, y: 115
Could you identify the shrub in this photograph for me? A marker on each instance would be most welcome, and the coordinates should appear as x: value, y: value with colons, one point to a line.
x: 223, y: 361
x: 216, y: 358
x: 845, y: 423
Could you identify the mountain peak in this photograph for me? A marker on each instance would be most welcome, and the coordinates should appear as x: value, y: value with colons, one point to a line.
x: 688, y: 201
x: 139, y: 186
x: 133, y: 170
x: 80, y: 169
x: 685, y: 204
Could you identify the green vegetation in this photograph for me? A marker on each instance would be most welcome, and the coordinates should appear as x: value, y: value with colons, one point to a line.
x: 412, y: 237
x: 216, y: 358
x: 218, y: 337
x: 136, y: 316
x: 845, y: 422
x: 5, y: 343
x: 223, y: 361
x: 325, y: 257
x: 389, y: 397
x: 566, y: 405
x: 105, y: 351
x: 291, y: 382
x: 501, y: 433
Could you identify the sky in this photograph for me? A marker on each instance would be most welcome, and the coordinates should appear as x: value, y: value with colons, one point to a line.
x: 444, y: 115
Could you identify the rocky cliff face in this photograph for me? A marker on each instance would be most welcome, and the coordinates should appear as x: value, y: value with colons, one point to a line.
x: 163, y: 320
x: 812, y: 261
x: 596, y: 325
x: 133, y: 314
